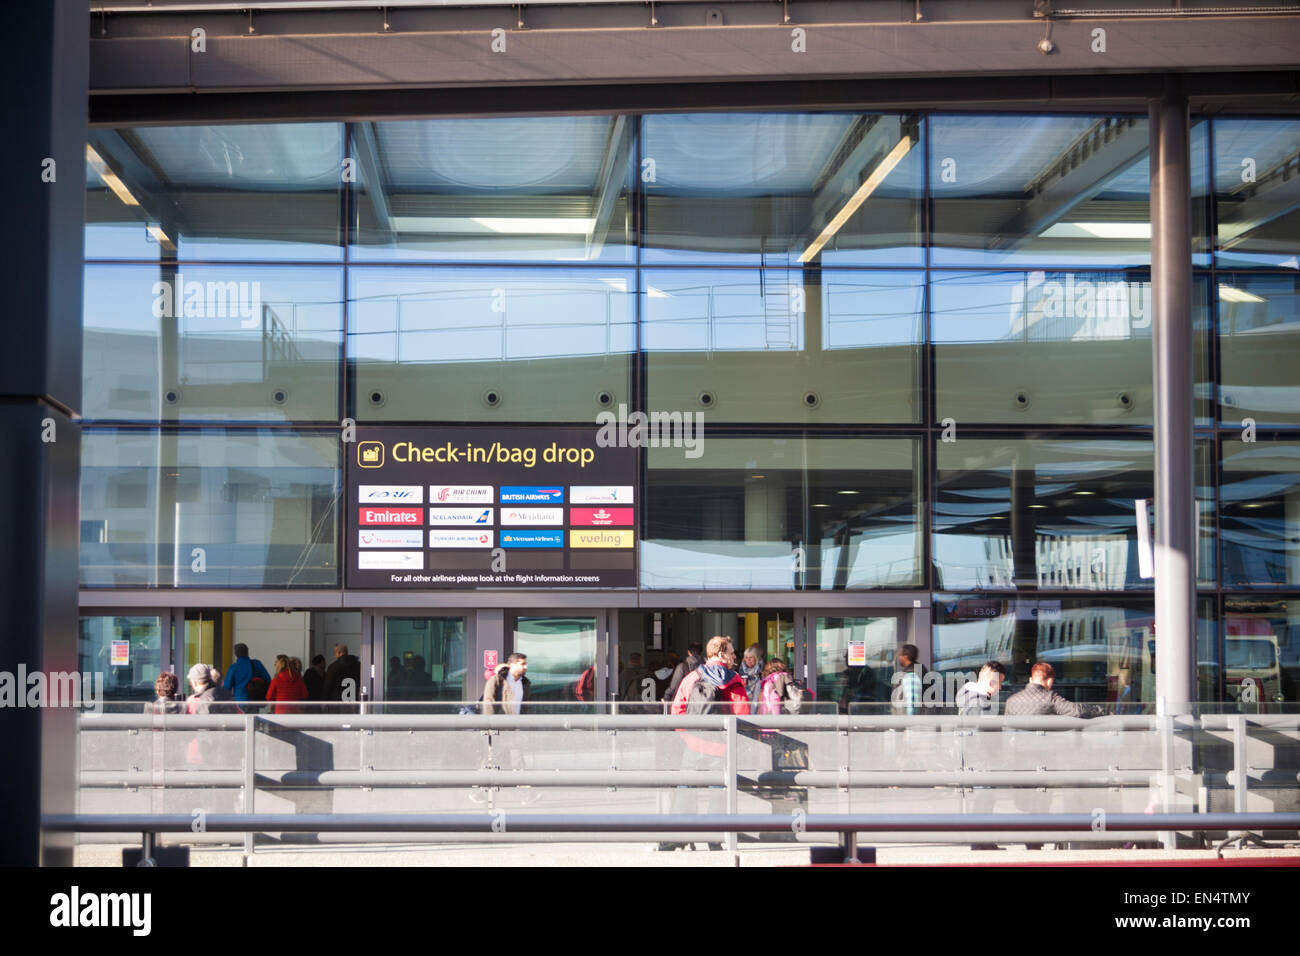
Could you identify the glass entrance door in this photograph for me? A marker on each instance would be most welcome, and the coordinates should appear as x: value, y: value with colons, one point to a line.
x: 566, y: 656
x: 424, y: 658
x: 853, y: 656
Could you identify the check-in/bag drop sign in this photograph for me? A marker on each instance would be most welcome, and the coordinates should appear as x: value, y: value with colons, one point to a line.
x: 468, y: 507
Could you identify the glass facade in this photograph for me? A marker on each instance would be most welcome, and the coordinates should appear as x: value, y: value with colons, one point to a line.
x: 920, y: 345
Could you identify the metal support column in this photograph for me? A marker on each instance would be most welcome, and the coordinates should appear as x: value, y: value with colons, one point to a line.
x: 1171, y: 285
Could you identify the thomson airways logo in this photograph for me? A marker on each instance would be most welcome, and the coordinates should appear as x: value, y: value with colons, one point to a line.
x: 75, y: 909
x: 174, y: 298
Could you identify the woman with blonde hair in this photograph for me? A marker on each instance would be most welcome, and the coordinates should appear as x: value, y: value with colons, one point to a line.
x: 286, y: 685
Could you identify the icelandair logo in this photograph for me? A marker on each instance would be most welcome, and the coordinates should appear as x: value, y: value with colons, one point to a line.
x: 75, y: 909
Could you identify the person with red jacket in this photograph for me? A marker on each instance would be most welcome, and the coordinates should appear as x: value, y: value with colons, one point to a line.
x: 287, y: 685
x: 730, y: 697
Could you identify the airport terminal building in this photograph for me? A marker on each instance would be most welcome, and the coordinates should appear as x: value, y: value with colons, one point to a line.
x: 595, y: 330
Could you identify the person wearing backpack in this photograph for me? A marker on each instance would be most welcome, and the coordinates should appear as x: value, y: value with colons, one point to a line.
x: 247, y: 679
x: 779, y: 694
x: 712, y: 688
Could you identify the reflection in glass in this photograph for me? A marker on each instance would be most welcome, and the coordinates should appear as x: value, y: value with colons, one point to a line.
x: 1259, y: 348
x: 490, y: 345
x: 1102, y: 652
x: 425, y: 658
x: 782, y: 513
x: 1049, y: 347
x: 855, y: 659
x: 1257, y: 193
x: 1041, y: 190
x: 266, y: 191
x: 515, y: 188
x: 126, y: 651
x: 1039, y: 514
x: 784, y: 345
x: 250, y: 343
x: 561, y: 657
x: 218, y: 508
x: 1260, y: 513
x: 784, y: 189
x: 1262, y: 646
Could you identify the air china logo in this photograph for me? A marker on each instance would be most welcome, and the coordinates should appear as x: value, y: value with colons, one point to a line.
x: 461, y: 494
x: 406, y: 516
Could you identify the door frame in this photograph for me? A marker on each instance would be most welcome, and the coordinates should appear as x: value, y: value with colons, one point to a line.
x: 374, y: 678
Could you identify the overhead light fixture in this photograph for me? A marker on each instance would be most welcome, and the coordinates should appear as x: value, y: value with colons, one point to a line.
x: 159, y: 236
x: 821, y: 506
x: 491, y: 225
x: 1098, y: 230
x: 1085, y: 492
x: 653, y: 293
x: 1038, y: 506
x: 1228, y: 293
x: 846, y: 492
x: 894, y: 157
x: 109, y: 177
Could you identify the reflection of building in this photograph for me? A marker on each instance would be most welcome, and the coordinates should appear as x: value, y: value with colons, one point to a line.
x: 917, y: 322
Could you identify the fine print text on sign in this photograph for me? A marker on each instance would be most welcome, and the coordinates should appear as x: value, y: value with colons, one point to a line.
x: 471, y: 507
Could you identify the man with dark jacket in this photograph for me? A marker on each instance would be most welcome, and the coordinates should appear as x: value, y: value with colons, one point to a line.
x: 314, y: 678
x: 346, y: 667
x: 1038, y: 698
x: 243, y: 671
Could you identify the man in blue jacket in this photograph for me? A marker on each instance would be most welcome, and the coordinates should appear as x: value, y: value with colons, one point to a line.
x: 243, y: 670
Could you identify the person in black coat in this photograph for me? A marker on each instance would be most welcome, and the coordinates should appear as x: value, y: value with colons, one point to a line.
x: 345, y: 667
x: 314, y: 678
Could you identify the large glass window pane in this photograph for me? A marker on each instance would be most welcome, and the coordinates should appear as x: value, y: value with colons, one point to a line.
x: 426, y: 658
x: 124, y: 651
x: 269, y: 191
x: 855, y: 659
x: 491, y: 345
x: 782, y: 513
x: 1040, y: 190
x: 1101, y: 652
x: 521, y: 189
x: 1262, y: 646
x: 217, y: 508
x: 1259, y: 348
x: 1039, y: 514
x: 1257, y: 192
x: 784, y: 345
x: 560, y: 652
x: 1051, y: 347
x: 250, y: 343
x: 841, y: 189
x: 1261, y: 513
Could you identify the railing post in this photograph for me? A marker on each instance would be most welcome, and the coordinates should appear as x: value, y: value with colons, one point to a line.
x: 1239, y: 766
x: 250, y: 778
x: 1165, y: 721
x: 733, y: 792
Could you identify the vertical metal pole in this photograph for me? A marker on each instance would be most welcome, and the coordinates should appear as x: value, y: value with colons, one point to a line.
x: 1171, y: 335
x: 1239, y: 781
x: 733, y: 801
x: 250, y: 748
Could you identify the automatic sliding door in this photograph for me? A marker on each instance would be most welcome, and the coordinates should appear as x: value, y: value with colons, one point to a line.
x: 424, y: 658
x: 563, y: 652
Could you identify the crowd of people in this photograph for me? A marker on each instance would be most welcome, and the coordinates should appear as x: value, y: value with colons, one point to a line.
x: 248, y: 685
